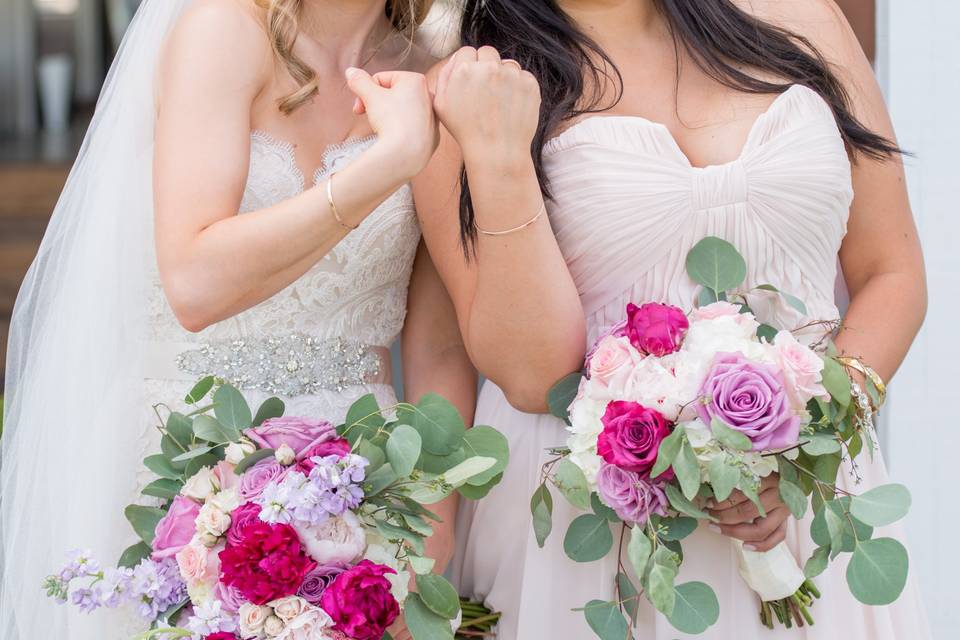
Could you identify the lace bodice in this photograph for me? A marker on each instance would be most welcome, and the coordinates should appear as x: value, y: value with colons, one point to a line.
x: 357, y: 292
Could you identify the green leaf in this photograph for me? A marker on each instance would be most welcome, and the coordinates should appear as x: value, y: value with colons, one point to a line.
x: 379, y: 480
x: 728, y: 437
x: 161, y: 466
x: 696, y: 608
x: 603, y: 510
x: 749, y: 486
x: 133, y: 555
x: 440, y: 425
x: 791, y: 300
x: 193, y: 453
x: 395, y: 533
x: 487, y: 442
x: 688, y: 470
x: 677, y: 528
x: 817, y: 563
x: 572, y: 484
x: 467, y: 469
x: 372, y: 453
x: 420, y: 565
x: 423, y: 623
x: 820, y: 443
x: 794, y: 497
x: 832, y: 527
x: 363, y: 419
x: 200, y: 390
x: 706, y: 297
x: 195, y: 464
x: 723, y: 477
x: 877, y: 571
x: 629, y: 596
x: 716, y: 264
x: 561, y: 396
x: 172, y: 450
x: 254, y: 458
x: 164, y: 488
x: 403, y: 449
x: 439, y: 464
x: 271, y: 408
x: 417, y: 524
x: 766, y: 332
x: 180, y: 428
x: 439, y: 595
x: 638, y: 550
x: 471, y: 492
x: 679, y: 502
x: 669, y: 449
x: 541, y: 507
x: 606, y: 620
x: 882, y: 505
x: 212, y: 430
x: 660, y: 588
x: 588, y: 539
x: 826, y: 467
x: 836, y: 381
x: 231, y: 409
x: 144, y: 520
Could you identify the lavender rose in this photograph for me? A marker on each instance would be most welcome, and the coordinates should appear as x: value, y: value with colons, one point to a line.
x: 634, y: 498
x: 257, y: 477
x: 317, y: 582
x: 749, y: 397
x: 300, y: 434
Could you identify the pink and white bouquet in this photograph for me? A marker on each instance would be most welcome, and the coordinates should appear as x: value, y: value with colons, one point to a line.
x: 271, y: 527
x: 676, y: 407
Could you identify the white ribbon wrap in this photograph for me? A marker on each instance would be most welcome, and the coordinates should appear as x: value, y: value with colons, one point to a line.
x: 773, y: 574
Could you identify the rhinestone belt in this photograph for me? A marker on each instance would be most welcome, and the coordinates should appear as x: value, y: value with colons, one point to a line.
x: 291, y: 365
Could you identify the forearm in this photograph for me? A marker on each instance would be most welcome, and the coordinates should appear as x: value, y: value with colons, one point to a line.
x: 241, y: 260
x: 526, y: 327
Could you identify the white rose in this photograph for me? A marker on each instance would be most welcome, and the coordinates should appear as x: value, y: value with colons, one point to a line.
x: 285, y: 455
x: 337, y: 540
x: 201, y: 485
x: 212, y: 520
x: 208, y: 540
x: 227, y: 500
x: 289, y: 608
x: 309, y: 625
x: 237, y: 451
x: 273, y: 626
x: 252, y: 620
x: 724, y: 334
x: 199, y: 592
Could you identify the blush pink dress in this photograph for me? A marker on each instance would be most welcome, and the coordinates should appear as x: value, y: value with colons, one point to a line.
x: 627, y: 207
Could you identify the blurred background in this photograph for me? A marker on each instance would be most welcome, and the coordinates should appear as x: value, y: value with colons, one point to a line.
x: 54, y: 55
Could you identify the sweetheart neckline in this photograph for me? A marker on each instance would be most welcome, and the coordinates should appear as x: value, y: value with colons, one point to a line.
x: 290, y: 151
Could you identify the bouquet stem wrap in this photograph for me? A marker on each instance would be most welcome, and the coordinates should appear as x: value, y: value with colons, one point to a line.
x: 773, y: 575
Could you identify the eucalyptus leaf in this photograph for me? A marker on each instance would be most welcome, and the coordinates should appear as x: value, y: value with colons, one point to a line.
x: 677, y: 528
x: 232, y: 409
x: 144, y: 520
x: 831, y: 527
x: 420, y: 565
x: 270, y: 408
x: 134, y: 554
x: 379, y: 480
x: 439, y: 595
x: 164, y: 488
x: 723, y: 476
x: 471, y: 492
x: 418, y: 524
x: 836, y: 381
x: 766, y: 332
x: 193, y: 453
x: 679, y: 502
x: 440, y: 426
x: 629, y: 596
x: 695, y: 609
x: 881, y: 505
x: 706, y: 297
x: 423, y: 623
x: 749, y: 486
x: 638, y: 550
x: 716, y: 264
x: 562, y: 394
x: 487, y: 442
x: 603, y: 510
x: 254, y: 458
x: 212, y: 430
x: 395, y: 533
x: 820, y: 443
x: 605, y: 619
x: 817, y: 563
x: 794, y: 497
x: 728, y: 437
x: 363, y: 420
x: 877, y: 571
x: 589, y: 538
x: 200, y: 390
x: 180, y: 429
x: 468, y: 469
x: 688, y: 470
x: 572, y: 483
x: 161, y: 466
x: 172, y: 451
x: 372, y: 453
x: 669, y: 449
x: 403, y: 449
x: 660, y: 588
x: 195, y: 464
x: 541, y: 508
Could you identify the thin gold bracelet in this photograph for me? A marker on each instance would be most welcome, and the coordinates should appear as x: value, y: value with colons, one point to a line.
x: 528, y: 223
x: 333, y: 206
x: 868, y: 372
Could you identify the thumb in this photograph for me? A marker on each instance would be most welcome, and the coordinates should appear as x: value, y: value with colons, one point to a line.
x: 362, y: 84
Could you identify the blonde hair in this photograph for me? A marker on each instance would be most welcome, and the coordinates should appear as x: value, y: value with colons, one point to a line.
x: 283, y: 26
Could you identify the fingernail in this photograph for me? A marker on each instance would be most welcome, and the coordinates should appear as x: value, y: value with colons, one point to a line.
x: 749, y: 547
x: 351, y: 71
x: 714, y: 528
x: 711, y: 503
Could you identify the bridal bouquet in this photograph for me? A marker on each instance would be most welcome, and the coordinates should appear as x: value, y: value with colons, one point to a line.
x: 272, y: 527
x: 677, y: 408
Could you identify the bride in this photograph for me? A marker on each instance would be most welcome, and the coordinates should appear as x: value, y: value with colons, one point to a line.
x: 147, y: 277
x: 653, y: 124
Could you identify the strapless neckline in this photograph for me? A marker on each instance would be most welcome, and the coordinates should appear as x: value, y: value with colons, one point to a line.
x: 289, y: 151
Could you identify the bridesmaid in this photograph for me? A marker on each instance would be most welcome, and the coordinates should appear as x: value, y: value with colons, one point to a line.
x: 660, y: 122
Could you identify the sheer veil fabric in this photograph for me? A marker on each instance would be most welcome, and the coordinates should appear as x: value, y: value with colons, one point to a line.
x: 76, y: 341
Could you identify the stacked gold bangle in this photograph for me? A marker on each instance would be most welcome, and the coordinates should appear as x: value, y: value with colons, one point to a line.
x: 857, y: 365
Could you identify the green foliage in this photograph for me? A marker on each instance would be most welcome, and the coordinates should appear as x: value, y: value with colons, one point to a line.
x: 254, y: 458
x: 403, y: 449
x: 423, y: 623
x: 695, y: 609
x: 676, y: 529
x: 271, y: 408
x: 561, y: 396
x: 440, y: 425
x: 487, y: 442
x: 438, y: 595
x: 606, y: 620
x: 663, y: 571
x: 588, y: 538
x: 571, y: 482
x: 200, y: 390
x: 639, y: 550
x: 679, y: 502
x: 687, y: 469
x: 728, y: 437
x: 794, y: 497
x: 881, y: 505
x: 724, y: 476
x: 603, y: 510
x: 817, y: 563
x: 144, y: 520
x: 232, y: 410
x: 133, y: 554
x: 669, y: 449
x: 541, y: 507
x: 716, y: 264
x: 877, y: 571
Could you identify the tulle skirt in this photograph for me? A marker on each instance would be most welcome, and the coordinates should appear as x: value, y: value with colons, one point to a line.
x: 498, y: 560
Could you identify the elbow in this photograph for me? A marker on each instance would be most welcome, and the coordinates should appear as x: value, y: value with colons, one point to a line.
x: 529, y: 392
x: 190, y: 306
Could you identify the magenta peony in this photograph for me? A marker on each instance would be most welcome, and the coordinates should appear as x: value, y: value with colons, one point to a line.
x: 300, y: 434
x: 267, y: 563
x: 633, y: 497
x: 656, y: 329
x: 176, y: 529
x: 220, y: 635
x: 631, y: 437
x: 749, y: 397
x: 360, y: 602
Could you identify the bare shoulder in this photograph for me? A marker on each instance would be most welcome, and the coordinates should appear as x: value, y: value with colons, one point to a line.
x: 225, y: 37
x: 821, y: 22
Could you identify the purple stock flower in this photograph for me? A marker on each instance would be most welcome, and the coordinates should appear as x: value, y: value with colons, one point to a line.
x: 156, y: 586
x: 332, y: 488
x: 85, y: 599
x: 317, y: 582
x: 749, y: 397
x: 634, y: 498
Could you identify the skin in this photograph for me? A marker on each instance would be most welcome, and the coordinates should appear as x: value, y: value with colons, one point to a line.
x: 519, y: 312
x: 219, y: 80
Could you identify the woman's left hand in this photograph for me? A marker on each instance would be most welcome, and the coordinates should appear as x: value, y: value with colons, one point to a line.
x: 398, y: 630
x: 737, y: 517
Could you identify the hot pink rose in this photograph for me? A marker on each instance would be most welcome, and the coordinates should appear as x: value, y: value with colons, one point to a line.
x: 631, y: 437
x: 176, y: 528
x: 656, y: 329
x: 360, y: 601
x: 241, y: 517
x: 299, y: 434
x: 335, y: 447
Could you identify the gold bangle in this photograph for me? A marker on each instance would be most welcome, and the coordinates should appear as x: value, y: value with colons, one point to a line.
x: 869, y: 373
x: 333, y: 206
x: 528, y: 223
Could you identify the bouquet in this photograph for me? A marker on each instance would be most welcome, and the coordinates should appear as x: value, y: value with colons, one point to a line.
x: 675, y: 408
x: 271, y: 527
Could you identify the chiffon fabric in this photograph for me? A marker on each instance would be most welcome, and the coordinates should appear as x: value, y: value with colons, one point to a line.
x: 627, y: 207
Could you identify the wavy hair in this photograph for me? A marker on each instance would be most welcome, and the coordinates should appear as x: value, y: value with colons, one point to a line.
x: 283, y: 27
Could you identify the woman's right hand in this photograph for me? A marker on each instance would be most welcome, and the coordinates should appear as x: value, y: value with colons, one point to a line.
x: 399, y: 107
x: 487, y: 104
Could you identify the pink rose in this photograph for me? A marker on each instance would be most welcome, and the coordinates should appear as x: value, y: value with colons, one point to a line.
x: 256, y: 478
x: 612, y: 356
x: 198, y: 564
x: 715, y: 310
x: 176, y: 529
x: 241, y: 517
x: 631, y: 437
x: 335, y: 447
x: 225, y: 476
x: 656, y: 329
x: 802, y: 370
x: 300, y: 434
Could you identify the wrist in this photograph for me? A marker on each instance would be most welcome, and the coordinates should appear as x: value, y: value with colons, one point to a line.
x: 405, y: 160
x: 509, y: 159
